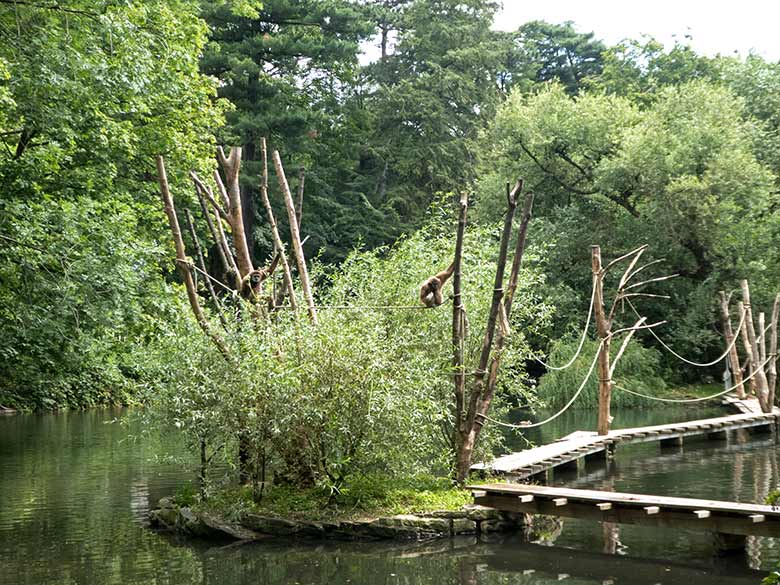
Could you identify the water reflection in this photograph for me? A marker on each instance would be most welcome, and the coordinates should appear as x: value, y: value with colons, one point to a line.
x: 75, y: 492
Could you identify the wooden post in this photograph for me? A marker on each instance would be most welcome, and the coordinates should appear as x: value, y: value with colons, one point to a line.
x: 747, y: 369
x: 762, y: 337
x: 299, y: 201
x: 182, y: 263
x: 202, y: 262
x: 470, y: 426
x: 728, y: 334
x: 288, y: 282
x: 232, y: 165
x: 458, y: 321
x: 303, y: 271
x: 603, y: 330
x: 772, y: 378
x: 762, y: 389
x: 221, y: 245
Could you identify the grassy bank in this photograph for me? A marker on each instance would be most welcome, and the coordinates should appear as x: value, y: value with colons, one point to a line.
x: 362, y: 498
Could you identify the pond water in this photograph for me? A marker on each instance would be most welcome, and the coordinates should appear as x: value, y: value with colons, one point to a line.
x: 75, y: 490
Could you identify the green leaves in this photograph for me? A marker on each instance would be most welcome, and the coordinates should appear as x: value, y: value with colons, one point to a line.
x: 86, y: 99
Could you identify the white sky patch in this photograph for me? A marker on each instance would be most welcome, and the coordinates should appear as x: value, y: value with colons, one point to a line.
x: 714, y: 26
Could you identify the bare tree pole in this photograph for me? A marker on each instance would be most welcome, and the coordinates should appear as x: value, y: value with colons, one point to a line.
x: 747, y: 369
x: 217, y: 231
x: 762, y: 389
x: 183, y: 264
x: 288, y: 282
x: 458, y: 318
x: 299, y: 201
x: 506, y: 310
x: 728, y: 334
x: 303, y: 272
x: 772, y: 378
x: 762, y: 337
x: 468, y: 432
x: 604, y: 321
x: 202, y: 262
x: 603, y: 331
x: 232, y: 166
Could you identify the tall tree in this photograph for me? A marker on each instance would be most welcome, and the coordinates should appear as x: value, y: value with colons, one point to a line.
x: 431, y: 97
x: 89, y: 92
x: 547, y: 52
x: 289, y: 67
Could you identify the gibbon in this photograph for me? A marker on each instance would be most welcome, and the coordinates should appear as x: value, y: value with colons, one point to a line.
x: 430, y: 290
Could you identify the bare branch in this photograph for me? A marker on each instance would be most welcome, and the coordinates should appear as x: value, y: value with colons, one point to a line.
x: 658, y: 279
x: 638, y: 325
x: 639, y: 250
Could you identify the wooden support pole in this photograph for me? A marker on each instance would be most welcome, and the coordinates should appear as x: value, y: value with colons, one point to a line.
x: 299, y: 201
x: 202, y: 263
x: 604, y: 334
x: 182, y: 262
x: 762, y: 389
x: 303, y: 271
x: 288, y: 282
x: 747, y: 369
x: 458, y: 325
x: 772, y: 366
x: 728, y: 334
x: 231, y: 165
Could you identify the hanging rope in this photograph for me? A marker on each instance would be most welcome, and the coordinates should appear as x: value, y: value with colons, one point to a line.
x: 582, y: 338
x: 687, y: 361
x: 560, y: 412
x: 688, y: 400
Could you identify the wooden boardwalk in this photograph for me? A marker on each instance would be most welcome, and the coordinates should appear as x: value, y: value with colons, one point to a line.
x: 726, y: 518
x: 568, y: 450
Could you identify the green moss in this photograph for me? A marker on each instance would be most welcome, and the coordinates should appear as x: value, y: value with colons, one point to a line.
x: 360, y: 498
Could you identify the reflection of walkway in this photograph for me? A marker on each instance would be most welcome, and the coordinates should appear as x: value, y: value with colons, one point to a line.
x: 565, y: 564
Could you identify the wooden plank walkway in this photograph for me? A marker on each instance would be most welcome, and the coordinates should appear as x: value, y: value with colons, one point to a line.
x: 567, y: 450
x: 730, y: 518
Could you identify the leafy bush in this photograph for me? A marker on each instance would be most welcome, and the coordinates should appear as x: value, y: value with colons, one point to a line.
x: 367, y: 392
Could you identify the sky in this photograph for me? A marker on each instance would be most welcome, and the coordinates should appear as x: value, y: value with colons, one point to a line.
x: 715, y: 26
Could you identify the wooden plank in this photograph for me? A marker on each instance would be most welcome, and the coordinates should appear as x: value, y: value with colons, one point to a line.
x: 581, y: 443
x: 634, y: 500
x: 670, y: 518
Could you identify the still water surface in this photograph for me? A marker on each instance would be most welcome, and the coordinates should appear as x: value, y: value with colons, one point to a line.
x: 75, y: 490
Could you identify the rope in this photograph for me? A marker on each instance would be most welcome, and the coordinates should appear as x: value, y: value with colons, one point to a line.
x: 688, y: 400
x: 687, y: 361
x: 206, y: 274
x: 582, y: 338
x: 560, y: 412
x: 324, y: 307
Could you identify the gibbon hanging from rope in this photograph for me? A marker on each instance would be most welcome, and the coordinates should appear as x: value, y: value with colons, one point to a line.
x: 430, y: 290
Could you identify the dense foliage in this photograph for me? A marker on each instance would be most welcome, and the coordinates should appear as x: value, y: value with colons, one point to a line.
x: 623, y: 145
x: 367, y: 391
x: 87, y: 97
